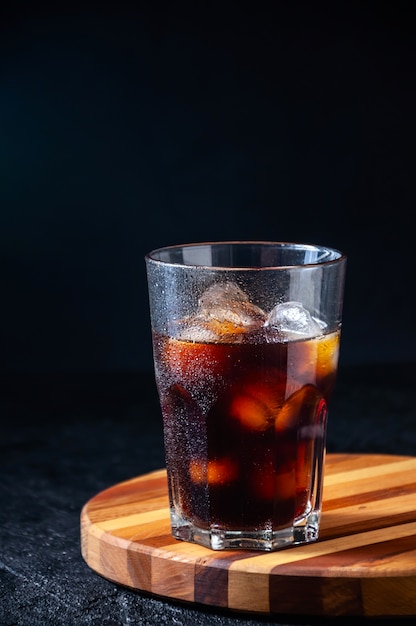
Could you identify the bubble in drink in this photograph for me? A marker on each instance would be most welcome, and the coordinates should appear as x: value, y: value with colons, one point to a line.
x: 246, y: 394
x: 245, y: 346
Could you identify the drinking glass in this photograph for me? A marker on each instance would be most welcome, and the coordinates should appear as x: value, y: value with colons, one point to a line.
x: 245, y: 342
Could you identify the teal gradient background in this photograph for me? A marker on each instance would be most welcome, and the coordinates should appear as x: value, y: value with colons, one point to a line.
x: 125, y: 128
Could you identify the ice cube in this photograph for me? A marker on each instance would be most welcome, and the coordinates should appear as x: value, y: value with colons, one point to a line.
x: 293, y: 321
x: 256, y: 402
x: 221, y: 293
x: 214, y: 472
x: 299, y: 410
x: 224, y: 312
x: 197, y: 332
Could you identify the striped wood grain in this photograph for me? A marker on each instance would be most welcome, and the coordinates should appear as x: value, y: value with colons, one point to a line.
x: 363, y: 564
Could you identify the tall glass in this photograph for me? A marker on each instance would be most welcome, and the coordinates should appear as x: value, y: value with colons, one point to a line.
x: 246, y: 340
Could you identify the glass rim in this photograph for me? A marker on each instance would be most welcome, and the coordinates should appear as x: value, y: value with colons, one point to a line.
x: 294, y: 245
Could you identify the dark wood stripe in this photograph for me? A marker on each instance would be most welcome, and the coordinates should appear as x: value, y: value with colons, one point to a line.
x: 369, y: 496
x: 316, y: 596
x: 211, y: 584
x: 356, y: 560
x: 364, y: 563
x: 370, y: 523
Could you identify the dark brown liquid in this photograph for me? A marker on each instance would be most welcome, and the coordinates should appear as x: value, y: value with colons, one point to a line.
x: 242, y: 423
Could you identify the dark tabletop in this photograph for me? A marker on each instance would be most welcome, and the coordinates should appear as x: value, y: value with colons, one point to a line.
x: 65, y: 438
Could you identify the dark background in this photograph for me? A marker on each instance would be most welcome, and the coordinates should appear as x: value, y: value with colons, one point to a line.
x: 130, y: 126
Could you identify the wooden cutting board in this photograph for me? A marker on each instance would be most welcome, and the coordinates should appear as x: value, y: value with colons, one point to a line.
x: 364, y: 563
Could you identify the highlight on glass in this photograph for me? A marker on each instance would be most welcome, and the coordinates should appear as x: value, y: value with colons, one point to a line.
x: 246, y: 339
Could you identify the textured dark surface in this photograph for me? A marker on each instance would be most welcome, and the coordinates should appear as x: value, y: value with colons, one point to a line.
x: 65, y: 438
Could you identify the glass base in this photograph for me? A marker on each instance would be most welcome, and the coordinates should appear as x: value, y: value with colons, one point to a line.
x: 304, y: 530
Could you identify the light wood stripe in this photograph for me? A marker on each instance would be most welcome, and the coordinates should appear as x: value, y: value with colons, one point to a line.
x: 267, y: 562
x: 132, y: 521
x: 363, y: 564
x: 355, y: 516
x: 399, y: 469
